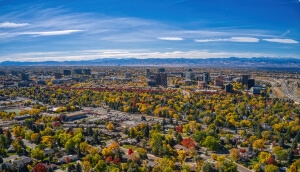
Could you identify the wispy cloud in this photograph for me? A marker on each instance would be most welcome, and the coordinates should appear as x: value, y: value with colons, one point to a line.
x: 232, y: 39
x: 12, y: 25
x: 51, y: 33
x: 170, y: 38
x: 284, y: 41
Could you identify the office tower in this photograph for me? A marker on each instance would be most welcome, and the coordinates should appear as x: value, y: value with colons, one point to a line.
x: 67, y: 72
x: 251, y: 83
x: 229, y: 88
x: 206, y: 77
x: 245, y: 79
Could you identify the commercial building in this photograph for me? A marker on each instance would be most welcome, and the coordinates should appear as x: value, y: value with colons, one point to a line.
x: 255, y: 90
x: 148, y: 73
x: 127, y: 75
x: 161, y: 70
x: 67, y: 72
x: 57, y: 75
x: 251, y: 83
x: 219, y: 81
x: 77, y: 71
x: 228, y: 88
x: 206, y: 77
x: 86, y: 71
x: 25, y: 76
x: 245, y: 79
x: 160, y: 79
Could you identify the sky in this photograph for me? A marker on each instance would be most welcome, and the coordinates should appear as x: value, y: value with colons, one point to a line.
x: 39, y: 30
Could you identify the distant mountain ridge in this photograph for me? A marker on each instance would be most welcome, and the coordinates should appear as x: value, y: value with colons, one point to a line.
x: 209, y: 62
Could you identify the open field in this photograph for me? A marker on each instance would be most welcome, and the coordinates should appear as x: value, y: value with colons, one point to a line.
x: 278, y: 93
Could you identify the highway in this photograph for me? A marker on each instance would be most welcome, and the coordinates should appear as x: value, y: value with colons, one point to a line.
x: 289, y: 92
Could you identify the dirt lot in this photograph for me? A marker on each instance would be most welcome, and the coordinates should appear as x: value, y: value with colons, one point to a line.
x: 278, y: 93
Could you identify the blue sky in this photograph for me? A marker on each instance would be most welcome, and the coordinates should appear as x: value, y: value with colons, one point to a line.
x: 39, y: 30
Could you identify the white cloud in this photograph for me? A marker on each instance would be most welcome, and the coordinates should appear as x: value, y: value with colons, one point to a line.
x: 171, y: 38
x: 244, y: 39
x: 232, y: 39
x: 51, y: 33
x: 284, y: 41
x: 12, y: 25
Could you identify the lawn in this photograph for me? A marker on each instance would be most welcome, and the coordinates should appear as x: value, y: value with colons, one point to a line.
x: 130, y: 146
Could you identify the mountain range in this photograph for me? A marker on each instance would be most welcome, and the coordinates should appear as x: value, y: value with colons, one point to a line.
x: 255, y: 62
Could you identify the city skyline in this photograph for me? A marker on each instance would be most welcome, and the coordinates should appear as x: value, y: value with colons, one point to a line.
x: 41, y: 31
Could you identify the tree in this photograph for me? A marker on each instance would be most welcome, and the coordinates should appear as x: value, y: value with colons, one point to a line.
x: 271, y: 168
x: 235, y: 154
x: 35, y: 137
x: 181, y: 156
x: 17, y: 146
x: 263, y: 157
x: 37, y: 153
x: 71, y: 167
x: 17, y: 130
x: 208, y: 167
x: 165, y: 165
x: 40, y: 167
x: 130, y: 151
x: 295, y: 167
x: 259, y: 144
x: 110, y: 126
x: 228, y: 166
x: 84, y: 147
x: 188, y: 142
x: 211, y: 143
x: 199, y: 136
x: 78, y: 167
x: 86, y: 166
x: 100, y: 166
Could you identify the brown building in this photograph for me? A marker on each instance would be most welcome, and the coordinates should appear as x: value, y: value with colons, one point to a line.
x: 219, y: 81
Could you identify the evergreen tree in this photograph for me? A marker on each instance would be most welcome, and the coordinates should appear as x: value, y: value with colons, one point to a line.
x: 78, y: 168
x: 290, y: 157
x: 146, y: 131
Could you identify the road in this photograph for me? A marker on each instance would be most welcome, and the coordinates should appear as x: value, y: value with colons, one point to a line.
x: 289, y: 91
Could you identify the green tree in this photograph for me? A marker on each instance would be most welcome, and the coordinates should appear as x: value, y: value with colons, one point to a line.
x: 37, y: 153
x: 211, y: 143
x: 271, y: 168
x: 228, y: 166
x: 100, y: 166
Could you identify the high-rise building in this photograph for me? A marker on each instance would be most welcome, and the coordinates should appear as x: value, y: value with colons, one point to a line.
x: 189, y: 76
x: 219, y: 81
x: 161, y: 70
x: 163, y: 79
x: 228, y: 88
x: 57, y: 75
x: 148, y: 73
x: 67, y: 72
x: 86, y: 71
x: 25, y: 76
x: 245, y: 79
x: 77, y: 71
x: 127, y: 75
x: 206, y: 77
x: 2, y: 72
x: 251, y: 83
x: 159, y: 79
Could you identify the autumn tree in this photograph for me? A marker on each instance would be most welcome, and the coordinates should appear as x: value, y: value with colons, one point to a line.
x: 40, y: 167
x: 37, y: 153
x: 235, y: 154
x: 259, y: 144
